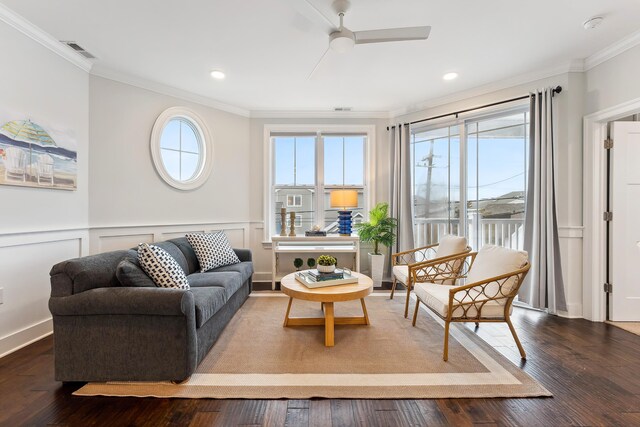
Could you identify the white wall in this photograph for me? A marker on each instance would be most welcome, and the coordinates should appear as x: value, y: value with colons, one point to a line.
x: 613, y: 82
x: 125, y: 187
x: 38, y: 84
x: 569, y: 112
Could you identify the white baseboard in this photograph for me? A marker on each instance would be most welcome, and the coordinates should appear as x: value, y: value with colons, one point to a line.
x: 574, y: 311
x: 24, y: 337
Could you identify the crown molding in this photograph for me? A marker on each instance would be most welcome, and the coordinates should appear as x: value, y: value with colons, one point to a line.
x: 164, y: 89
x: 568, y: 67
x: 612, y: 50
x: 45, y: 39
x: 267, y: 114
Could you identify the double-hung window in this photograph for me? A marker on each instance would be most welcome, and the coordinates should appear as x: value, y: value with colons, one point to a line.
x: 469, y: 178
x: 305, y: 166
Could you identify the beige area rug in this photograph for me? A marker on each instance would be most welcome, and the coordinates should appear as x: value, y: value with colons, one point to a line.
x: 633, y: 327
x: 257, y: 358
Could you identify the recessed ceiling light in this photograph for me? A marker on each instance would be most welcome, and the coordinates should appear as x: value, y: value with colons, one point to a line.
x: 450, y: 76
x: 592, y: 23
x: 217, y: 74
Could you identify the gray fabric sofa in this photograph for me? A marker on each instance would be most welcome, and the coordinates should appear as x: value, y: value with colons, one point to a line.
x: 111, y: 323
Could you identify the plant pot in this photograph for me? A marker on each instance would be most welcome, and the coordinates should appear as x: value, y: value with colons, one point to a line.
x: 326, y: 268
x: 376, y: 263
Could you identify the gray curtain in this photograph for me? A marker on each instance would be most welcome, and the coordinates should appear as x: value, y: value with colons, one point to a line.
x: 543, y: 287
x: 401, y: 195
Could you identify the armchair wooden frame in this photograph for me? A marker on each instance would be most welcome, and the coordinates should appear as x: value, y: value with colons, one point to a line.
x: 466, y: 302
x: 417, y: 260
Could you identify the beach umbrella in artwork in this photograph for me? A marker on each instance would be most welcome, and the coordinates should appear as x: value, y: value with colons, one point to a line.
x: 27, y: 132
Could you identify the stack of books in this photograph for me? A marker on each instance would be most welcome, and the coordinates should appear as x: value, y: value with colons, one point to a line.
x: 315, y: 279
x: 315, y: 233
x: 336, y: 274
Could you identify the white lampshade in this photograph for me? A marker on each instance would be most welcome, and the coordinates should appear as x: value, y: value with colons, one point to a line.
x: 344, y: 199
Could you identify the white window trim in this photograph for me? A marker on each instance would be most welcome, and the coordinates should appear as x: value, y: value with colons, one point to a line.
x: 206, y: 164
x: 369, y: 165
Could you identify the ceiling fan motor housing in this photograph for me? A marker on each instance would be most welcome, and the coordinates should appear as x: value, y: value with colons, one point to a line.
x: 342, y: 41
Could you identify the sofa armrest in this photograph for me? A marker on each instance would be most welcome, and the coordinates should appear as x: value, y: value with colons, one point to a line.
x: 135, y: 301
x: 243, y: 254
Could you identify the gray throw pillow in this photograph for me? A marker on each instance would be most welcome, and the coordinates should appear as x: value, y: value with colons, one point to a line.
x: 129, y: 273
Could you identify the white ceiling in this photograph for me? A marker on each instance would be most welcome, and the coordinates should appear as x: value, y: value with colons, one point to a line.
x: 267, y: 48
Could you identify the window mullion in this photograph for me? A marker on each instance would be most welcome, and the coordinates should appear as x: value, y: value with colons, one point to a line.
x: 319, y: 211
x: 464, y: 185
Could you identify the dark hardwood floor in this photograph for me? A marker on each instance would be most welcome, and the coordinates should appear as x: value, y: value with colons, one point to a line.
x: 593, y: 370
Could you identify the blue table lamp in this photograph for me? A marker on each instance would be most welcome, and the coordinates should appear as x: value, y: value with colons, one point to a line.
x: 344, y: 199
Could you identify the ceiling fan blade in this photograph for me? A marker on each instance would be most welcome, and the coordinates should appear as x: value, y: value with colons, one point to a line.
x: 392, y: 35
x: 318, y: 63
x: 309, y: 11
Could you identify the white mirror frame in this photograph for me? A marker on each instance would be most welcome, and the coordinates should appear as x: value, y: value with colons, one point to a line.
x: 206, y: 164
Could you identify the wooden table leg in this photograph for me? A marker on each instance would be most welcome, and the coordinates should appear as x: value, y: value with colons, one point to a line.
x: 364, y: 310
x: 328, y: 324
x: 286, y: 316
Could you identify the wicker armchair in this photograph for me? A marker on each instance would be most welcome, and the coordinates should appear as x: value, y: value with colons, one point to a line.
x: 493, y: 277
x: 406, y: 264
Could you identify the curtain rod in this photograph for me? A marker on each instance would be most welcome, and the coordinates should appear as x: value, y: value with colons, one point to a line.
x: 556, y: 89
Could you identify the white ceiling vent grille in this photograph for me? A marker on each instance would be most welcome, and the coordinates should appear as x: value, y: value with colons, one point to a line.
x: 79, y: 49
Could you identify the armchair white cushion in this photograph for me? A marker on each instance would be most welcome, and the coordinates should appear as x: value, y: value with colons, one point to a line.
x: 436, y: 297
x: 451, y: 245
x: 493, y: 261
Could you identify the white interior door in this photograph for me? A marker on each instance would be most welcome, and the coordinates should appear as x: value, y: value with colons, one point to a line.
x: 625, y: 225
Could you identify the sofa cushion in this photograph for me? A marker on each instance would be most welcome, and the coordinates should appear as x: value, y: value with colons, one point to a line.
x: 436, y: 297
x: 245, y: 269
x: 163, y: 269
x: 81, y: 274
x: 176, y: 253
x: 130, y: 273
x: 230, y: 281
x: 189, y: 254
x: 207, y: 302
x: 212, y: 249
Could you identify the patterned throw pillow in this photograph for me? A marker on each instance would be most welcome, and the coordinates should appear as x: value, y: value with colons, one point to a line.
x: 212, y: 249
x: 163, y: 269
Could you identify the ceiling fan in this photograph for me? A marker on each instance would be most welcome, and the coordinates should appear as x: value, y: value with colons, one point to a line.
x: 342, y: 39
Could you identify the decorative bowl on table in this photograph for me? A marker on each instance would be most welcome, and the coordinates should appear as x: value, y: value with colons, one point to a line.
x: 326, y: 264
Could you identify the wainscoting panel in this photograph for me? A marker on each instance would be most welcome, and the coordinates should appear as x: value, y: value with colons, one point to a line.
x: 571, y: 255
x: 126, y: 241
x: 104, y: 239
x: 25, y: 262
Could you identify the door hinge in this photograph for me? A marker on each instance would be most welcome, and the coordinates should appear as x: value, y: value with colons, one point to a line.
x: 608, y: 288
x: 607, y: 216
x: 608, y: 144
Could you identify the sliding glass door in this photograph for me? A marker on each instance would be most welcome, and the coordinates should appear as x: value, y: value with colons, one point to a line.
x: 470, y: 179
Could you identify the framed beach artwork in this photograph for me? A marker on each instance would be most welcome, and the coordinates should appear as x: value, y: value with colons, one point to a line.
x: 33, y: 154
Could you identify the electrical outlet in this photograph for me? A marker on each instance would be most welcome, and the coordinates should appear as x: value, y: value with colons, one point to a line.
x: 1, y: 295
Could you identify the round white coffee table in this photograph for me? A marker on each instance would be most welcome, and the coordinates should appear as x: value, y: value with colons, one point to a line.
x: 327, y: 296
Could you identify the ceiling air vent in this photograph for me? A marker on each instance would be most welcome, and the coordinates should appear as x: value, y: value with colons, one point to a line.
x: 342, y: 109
x: 79, y: 49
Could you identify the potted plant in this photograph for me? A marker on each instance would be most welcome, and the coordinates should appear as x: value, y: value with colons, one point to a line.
x: 311, y: 262
x: 380, y: 229
x: 326, y: 264
x: 297, y: 263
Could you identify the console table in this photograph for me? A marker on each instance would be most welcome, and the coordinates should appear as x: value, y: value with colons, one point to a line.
x: 316, y: 245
